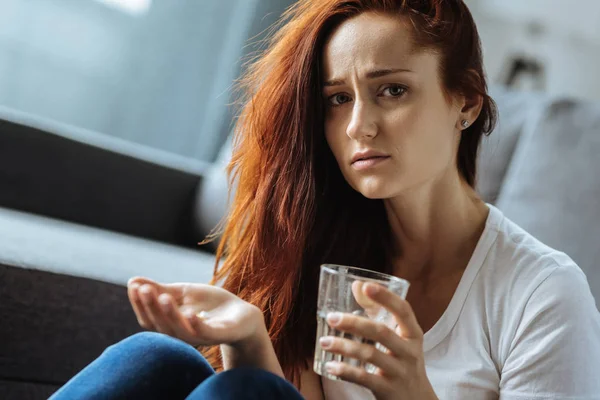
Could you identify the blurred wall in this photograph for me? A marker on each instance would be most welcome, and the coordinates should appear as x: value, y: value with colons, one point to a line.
x: 571, y: 56
x: 160, y: 78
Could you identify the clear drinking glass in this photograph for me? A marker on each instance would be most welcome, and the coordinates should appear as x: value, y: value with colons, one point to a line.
x: 340, y: 289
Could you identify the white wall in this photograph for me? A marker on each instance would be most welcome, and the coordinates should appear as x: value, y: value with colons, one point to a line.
x: 160, y: 78
x: 571, y: 60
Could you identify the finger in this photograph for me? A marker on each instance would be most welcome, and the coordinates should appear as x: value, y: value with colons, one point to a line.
x: 174, y: 318
x: 141, y: 280
x: 364, y: 352
x: 376, y: 331
x: 346, y: 372
x: 174, y: 289
x: 153, y: 310
x: 138, y: 307
x: 400, y: 309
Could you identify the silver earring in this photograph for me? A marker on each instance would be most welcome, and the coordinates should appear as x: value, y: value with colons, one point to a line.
x: 465, y: 123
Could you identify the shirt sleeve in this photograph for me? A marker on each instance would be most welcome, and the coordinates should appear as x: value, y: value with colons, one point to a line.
x: 555, y: 353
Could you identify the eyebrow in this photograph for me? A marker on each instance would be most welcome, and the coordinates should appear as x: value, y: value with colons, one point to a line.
x: 370, y: 75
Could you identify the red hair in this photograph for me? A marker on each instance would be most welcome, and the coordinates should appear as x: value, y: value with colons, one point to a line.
x: 292, y: 209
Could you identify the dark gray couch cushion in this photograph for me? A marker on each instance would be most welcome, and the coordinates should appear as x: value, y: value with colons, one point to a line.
x: 53, y: 325
x: 553, y: 186
x: 72, y: 174
x: 10, y: 390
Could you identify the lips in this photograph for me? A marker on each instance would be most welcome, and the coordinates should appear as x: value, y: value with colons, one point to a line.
x: 368, y: 160
x: 368, y: 155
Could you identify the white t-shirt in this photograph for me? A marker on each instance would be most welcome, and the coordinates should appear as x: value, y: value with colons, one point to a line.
x: 522, y: 325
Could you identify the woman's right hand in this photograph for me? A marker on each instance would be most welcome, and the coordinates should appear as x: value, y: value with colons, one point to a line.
x: 198, y: 314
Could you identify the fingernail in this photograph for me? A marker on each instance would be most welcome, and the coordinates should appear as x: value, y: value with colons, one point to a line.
x: 334, y: 318
x: 164, y: 300
x: 189, y: 315
x: 145, y: 289
x: 325, y: 342
x: 371, y: 289
x: 331, y: 368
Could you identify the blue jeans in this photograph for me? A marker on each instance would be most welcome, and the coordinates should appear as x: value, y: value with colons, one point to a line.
x: 155, y: 366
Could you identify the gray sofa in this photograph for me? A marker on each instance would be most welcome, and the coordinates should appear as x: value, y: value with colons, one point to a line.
x: 80, y: 214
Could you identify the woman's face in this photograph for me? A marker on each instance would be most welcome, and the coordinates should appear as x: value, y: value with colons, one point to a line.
x: 388, y: 122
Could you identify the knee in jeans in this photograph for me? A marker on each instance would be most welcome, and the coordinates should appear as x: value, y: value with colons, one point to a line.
x: 161, y: 349
x: 253, y: 381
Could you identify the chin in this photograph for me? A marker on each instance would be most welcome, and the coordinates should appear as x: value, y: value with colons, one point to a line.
x: 374, y: 189
x: 374, y: 195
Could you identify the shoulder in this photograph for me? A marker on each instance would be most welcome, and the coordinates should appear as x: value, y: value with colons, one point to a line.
x: 519, y: 264
x: 550, y: 343
x: 544, y: 325
x: 533, y: 291
x: 551, y: 346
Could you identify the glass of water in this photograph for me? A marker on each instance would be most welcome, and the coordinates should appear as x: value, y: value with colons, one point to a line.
x: 340, y: 290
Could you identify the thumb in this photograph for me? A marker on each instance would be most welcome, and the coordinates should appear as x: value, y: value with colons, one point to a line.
x: 361, y: 298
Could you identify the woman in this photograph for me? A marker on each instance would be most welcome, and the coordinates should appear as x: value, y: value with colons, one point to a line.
x: 357, y: 145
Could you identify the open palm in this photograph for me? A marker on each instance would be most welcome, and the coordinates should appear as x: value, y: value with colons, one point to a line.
x: 198, y: 314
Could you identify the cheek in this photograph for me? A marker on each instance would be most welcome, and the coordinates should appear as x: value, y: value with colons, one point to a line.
x: 423, y: 142
x: 403, y: 133
x: 428, y: 130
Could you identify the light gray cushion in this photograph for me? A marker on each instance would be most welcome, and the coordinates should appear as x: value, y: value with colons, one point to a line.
x: 211, y: 201
x: 35, y: 242
x: 516, y: 111
x: 552, y: 188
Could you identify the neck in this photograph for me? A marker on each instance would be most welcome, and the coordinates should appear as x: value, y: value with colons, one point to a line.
x: 435, y: 227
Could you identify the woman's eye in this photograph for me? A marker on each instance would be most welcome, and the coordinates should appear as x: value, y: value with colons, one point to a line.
x: 394, y: 90
x: 338, y: 99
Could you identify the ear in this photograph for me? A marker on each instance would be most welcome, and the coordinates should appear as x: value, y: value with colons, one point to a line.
x: 470, y: 108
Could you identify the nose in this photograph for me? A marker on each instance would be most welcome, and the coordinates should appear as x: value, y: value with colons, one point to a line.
x: 362, y: 124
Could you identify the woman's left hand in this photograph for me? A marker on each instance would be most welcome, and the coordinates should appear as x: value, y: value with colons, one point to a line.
x: 400, y: 372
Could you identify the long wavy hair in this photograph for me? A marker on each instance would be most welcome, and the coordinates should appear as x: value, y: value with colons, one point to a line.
x: 292, y: 209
